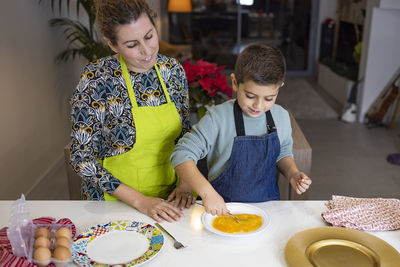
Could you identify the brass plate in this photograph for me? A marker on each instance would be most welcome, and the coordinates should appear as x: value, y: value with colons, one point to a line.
x: 337, y: 246
x: 340, y: 252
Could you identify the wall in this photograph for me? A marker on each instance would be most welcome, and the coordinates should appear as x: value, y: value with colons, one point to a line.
x: 327, y: 9
x: 34, y: 96
x: 380, y: 54
x: 380, y: 57
x: 160, y: 6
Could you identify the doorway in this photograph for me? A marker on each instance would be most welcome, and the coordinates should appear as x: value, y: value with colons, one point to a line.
x: 219, y: 29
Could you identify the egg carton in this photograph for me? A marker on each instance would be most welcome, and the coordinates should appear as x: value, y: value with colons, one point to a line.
x: 21, y: 233
x: 57, y: 256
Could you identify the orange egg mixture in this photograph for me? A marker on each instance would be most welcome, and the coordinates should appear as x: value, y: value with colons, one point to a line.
x: 247, y: 223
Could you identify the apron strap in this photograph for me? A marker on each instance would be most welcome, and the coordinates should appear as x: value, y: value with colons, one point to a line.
x: 239, y: 123
x: 162, y: 84
x: 270, y: 122
x: 127, y: 78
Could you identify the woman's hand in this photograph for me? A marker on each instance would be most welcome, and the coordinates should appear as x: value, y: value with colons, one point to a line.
x: 300, y: 182
x: 158, y: 209
x: 182, y: 195
x: 214, y: 204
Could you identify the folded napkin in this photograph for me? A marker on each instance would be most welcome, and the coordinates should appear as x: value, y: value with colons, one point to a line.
x: 8, y: 259
x: 369, y: 214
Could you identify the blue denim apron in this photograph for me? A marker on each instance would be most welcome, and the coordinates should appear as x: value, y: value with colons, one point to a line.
x: 251, y: 172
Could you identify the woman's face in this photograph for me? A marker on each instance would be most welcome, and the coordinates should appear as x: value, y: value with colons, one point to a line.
x: 137, y: 42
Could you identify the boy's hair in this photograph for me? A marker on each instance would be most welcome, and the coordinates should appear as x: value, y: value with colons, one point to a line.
x: 261, y: 63
x: 112, y: 13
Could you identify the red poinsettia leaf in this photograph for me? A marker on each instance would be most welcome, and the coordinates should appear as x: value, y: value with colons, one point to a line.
x: 212, y: 92
x: 206, y: 68
x: 205, y: 80
x: 221, y: 83
x: 190, y: 74
x: 206, y: 83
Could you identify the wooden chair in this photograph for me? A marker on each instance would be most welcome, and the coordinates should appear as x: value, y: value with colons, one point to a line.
x: 302, y: 153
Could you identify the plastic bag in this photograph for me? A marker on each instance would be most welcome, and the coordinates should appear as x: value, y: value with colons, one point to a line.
x: 20, y: 228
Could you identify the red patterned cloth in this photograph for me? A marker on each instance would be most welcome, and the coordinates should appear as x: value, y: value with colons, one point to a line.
x: 8, y: 259
x: 369, y: 214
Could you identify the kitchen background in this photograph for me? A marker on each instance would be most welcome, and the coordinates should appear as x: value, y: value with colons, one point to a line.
x: 348, y: 158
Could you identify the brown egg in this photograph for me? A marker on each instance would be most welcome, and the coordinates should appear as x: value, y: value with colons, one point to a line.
x: 63, y: 242
x: 42, y: 231
x: 61, y: 253
x: 64, y: 232
x: 42, y: 256
x: 42, y: 241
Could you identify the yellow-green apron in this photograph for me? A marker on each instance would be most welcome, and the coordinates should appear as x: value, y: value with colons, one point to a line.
x: 146, y: 167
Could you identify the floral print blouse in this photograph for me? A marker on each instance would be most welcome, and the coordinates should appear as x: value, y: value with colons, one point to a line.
x: 101, y: 116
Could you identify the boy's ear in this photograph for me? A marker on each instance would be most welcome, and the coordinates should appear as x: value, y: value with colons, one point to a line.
x: 235, y: 86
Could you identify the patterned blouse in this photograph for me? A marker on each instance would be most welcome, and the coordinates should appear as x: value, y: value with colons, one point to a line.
x: 101, y: 116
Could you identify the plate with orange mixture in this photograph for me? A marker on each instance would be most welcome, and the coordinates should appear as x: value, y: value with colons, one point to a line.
x: 252, y: 220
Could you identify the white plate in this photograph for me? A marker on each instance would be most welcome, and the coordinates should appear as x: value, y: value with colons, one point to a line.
x: 235, y: 208
x: 130, y: 243
x: 117, y: 247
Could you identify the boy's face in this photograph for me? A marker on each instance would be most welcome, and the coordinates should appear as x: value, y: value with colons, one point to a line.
x: 255, y: 99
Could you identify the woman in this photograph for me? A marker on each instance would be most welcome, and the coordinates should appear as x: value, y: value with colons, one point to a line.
x: 127, y: 112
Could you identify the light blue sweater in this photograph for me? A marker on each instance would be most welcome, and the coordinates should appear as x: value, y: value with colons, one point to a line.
x: 214, y: 134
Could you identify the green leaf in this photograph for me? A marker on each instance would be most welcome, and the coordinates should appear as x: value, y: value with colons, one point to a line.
x: 81, y: 41
x: 201, y: 111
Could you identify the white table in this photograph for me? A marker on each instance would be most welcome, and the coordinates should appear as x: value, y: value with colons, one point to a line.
x: 203, y: 247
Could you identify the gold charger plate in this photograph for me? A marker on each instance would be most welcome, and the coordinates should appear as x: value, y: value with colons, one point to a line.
x: 338, y: 246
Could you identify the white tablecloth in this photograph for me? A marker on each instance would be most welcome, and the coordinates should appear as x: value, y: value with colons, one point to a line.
x: 203, y: 247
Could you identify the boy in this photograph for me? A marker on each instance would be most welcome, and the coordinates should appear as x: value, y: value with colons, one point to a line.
x: 244, y: 140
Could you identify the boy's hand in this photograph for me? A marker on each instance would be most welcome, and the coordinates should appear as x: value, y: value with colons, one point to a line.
x: 215, y: 204
x: 300, y: 182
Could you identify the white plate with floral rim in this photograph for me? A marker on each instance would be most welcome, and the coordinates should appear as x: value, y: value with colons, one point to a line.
x: 130, y: 243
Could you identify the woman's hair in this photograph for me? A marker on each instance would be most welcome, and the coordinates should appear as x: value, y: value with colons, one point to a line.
x: 112, y: 13
x: 261, y: 63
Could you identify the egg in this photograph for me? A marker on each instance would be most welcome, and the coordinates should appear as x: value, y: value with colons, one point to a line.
x: 42, y: 231
x: 63, y: 232
x: 42, y: 241
x: 61, y: 253
x: 247, y: 223
x: 63, y: 242
x: 42, y: 256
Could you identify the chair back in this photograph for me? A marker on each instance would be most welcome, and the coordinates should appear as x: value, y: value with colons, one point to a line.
x: 302, y: 153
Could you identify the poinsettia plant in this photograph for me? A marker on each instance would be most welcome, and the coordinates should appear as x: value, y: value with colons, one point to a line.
x: 207, y: 85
